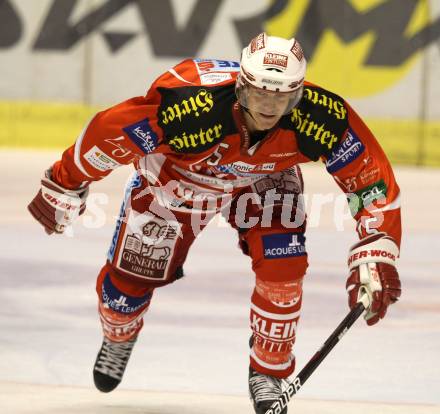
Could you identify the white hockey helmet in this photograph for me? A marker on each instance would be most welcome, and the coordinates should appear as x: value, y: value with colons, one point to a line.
x: 271, y: 64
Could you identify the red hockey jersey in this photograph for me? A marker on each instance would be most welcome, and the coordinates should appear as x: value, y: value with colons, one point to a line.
x: 189, y: 129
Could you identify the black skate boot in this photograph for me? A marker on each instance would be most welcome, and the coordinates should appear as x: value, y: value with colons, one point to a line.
x: 264, y: 390
x: 110, y: 363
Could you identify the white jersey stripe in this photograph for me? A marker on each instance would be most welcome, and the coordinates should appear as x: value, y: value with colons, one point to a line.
x: 173, y: 72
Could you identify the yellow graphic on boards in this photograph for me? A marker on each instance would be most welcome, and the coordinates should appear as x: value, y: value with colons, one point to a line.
x: 341, y: 66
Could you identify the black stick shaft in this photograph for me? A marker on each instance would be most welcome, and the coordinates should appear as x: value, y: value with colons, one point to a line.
x: 316, y: 360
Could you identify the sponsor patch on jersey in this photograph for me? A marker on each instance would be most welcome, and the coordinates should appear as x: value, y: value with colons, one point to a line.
x: 268, y: 166
x: 241, y: 166
x: 147, y: 246
x: 213, y: 65
x: 367, y: 195
x: 214, y: 78
x: 99, y: 160
x: 142, y: 135
x: 238, y: 172
x: 194, y: 119
x: 350, y: 149
x: 243, y: 169
x: 117, y: 301
x: 369, y: 176
x: 320, y: 121
x: 282, y: 245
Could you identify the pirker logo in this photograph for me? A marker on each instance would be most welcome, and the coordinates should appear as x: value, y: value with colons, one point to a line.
x: 202, y: 102
x: 373, y: 253
x: 304, y: 124
x: 334, y: 106
x: 357, y: 36
x: 196, y: 141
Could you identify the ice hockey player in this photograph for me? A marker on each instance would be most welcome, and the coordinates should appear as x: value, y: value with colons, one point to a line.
x: 216, y: 136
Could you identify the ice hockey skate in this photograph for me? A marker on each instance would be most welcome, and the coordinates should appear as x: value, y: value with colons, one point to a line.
x: 264, y: 390
x: 110, y: 363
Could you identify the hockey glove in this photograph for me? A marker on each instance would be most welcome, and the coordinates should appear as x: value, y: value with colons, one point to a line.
x: 373, y: 272
x: 56, y: 207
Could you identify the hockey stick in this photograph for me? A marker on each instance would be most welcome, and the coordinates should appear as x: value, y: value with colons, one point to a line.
x: 293, y: 387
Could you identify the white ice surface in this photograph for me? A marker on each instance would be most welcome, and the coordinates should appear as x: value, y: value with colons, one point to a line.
x: 196, y: 332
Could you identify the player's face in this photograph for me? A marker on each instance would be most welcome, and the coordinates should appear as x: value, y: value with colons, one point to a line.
x: 266, y: 107
x: 268, y: 102
x: 260, y: 122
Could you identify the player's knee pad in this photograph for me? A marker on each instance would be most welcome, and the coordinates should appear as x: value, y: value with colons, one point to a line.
x: 279, y: 260
x: 288, y: 292
x: 121, y: 305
